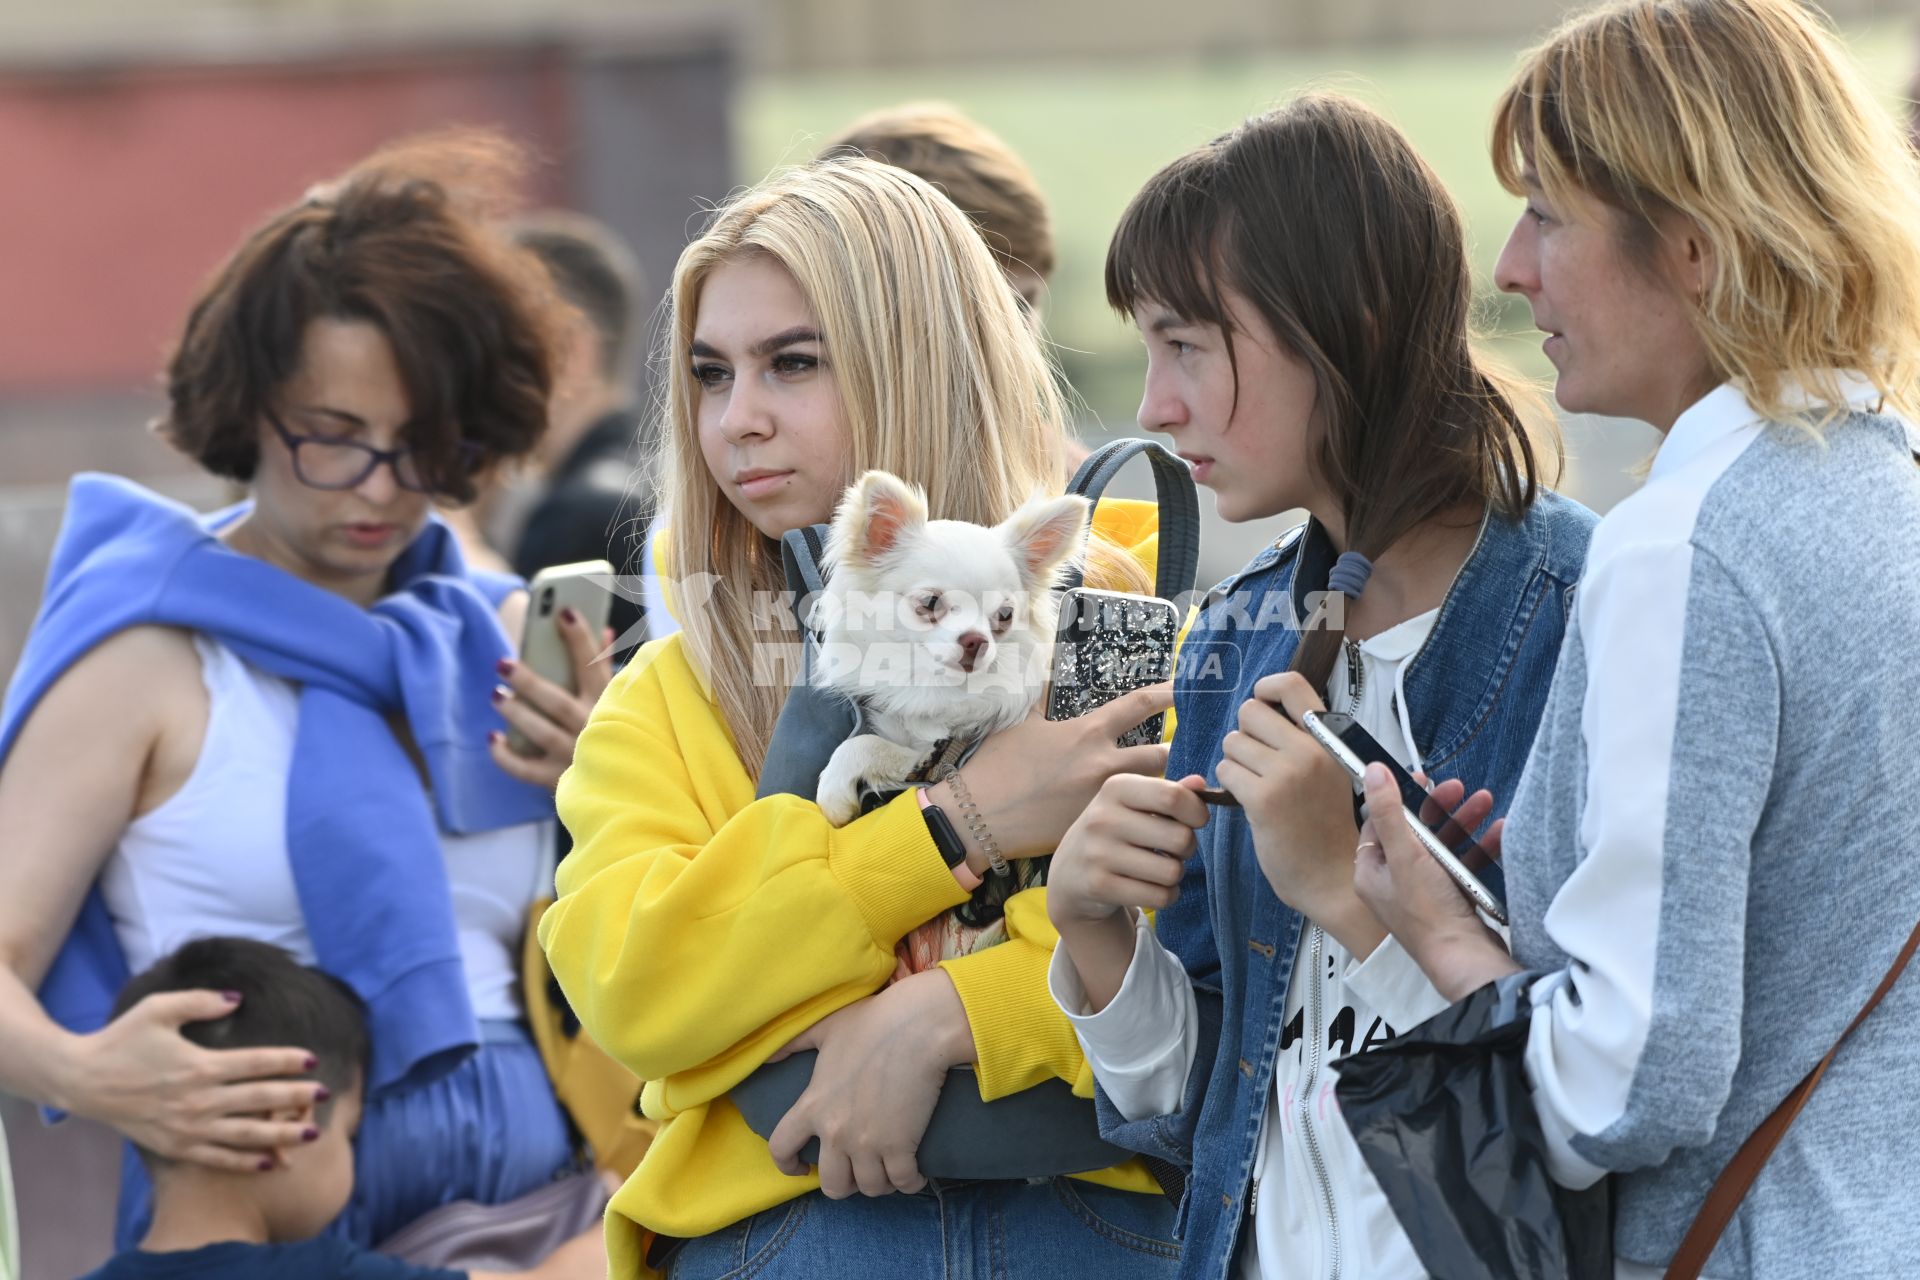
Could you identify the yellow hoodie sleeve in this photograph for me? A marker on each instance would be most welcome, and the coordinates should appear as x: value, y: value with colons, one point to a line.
x: 698, y: 930
x: 1020, y: 1035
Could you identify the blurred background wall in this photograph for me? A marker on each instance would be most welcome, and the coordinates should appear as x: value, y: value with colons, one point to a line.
x: 810, y: 35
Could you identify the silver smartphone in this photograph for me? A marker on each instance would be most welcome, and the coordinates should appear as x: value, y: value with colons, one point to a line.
x: 1355, y: 749
x: 587, y: 589
x: 1109, y: 643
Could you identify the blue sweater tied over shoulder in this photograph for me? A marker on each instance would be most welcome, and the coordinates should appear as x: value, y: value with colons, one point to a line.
x: 362, y: 835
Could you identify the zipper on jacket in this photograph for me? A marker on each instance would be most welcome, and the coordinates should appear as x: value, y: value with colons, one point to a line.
x: 1356, y: 677
x: 1316, y: 1026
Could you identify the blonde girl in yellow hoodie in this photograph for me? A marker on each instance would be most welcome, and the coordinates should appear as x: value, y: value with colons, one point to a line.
x: 840, y: 317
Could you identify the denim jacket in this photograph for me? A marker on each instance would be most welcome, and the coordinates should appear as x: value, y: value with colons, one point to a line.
x: 1474, y: 692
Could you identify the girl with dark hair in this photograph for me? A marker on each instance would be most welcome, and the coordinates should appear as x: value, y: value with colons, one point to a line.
x: 1302, y: 287
x: 279, y: 721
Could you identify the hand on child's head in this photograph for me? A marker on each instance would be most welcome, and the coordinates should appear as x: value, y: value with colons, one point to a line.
x: 312, y: 1182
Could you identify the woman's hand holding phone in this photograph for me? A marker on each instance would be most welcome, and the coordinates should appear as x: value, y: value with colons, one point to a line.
x: 549, y: 716
x: 1415, y: 899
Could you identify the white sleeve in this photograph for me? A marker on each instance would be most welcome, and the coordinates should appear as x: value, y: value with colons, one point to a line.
x: 1394, y: 986
x: 1632, y: 1047
x: 1141, y: 1046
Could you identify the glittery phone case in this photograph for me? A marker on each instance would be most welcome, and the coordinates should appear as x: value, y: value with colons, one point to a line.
x: 1109, y: 643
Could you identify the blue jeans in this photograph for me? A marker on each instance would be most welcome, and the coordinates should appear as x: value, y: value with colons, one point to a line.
x: 1056, y: 1229
x: 489, y: 1130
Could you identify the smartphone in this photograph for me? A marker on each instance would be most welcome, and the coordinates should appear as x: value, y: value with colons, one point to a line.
x: 587, y: 589
x: 1355, y: 749
x: 1109, y: 643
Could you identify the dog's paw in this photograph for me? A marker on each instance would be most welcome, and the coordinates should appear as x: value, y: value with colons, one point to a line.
x: 838, y: 793
x: 841, y: 807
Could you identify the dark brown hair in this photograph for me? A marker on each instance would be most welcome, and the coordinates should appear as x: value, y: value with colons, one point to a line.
x: 1323, y: 217
x: 400, y: 242
x: 972, y: 167
x: 282, y: 1002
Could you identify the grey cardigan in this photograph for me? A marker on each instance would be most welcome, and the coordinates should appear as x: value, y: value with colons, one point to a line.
x: 1715, y: 850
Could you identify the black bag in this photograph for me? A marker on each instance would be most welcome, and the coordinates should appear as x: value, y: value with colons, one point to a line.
x: 1444, y: 1118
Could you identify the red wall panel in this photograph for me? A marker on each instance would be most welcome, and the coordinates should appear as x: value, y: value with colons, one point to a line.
x: 122, y: 189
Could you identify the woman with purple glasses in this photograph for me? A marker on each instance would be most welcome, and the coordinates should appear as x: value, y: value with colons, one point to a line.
x: 284, y: 720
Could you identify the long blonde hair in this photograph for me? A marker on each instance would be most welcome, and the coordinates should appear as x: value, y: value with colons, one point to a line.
x: 941, y: 382
x: 1743, y: 116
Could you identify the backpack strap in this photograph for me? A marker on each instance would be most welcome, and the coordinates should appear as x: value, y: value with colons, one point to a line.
x: 812, y: 721
x: 1179, y: 502
x: 801, y: 551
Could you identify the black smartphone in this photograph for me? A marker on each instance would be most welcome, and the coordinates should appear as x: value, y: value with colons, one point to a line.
x: 1355, y: 749
x: 1109, y: 643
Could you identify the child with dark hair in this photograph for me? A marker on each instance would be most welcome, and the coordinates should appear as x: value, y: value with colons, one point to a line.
x: 211, y: 1224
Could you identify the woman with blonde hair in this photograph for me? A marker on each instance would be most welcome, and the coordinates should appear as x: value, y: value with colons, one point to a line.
x: 1708, y: 860
x: 840, y: 317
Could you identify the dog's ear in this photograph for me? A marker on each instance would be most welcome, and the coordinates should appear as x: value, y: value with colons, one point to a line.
x: 1046, y: 535
x: 878, y: 511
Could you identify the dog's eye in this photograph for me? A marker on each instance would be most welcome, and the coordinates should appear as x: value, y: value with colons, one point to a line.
x: 930, y: 603
x: 1003, y: 618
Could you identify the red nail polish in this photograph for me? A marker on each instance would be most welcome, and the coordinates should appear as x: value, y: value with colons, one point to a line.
x: 309, y: 1134
x: 570, y: 617
x: 496, y: 738
x: 231, y: 997
x: 499, y: 696
x: 504, y: 667
x: 310, y: 1063
x: 266, y: 1164
x: 322, y: 1094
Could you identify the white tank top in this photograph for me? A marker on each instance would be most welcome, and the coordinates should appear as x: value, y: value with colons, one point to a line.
x: 212, y: 859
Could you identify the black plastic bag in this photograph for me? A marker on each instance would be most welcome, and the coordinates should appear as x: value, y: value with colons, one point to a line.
x: 1445, y: 1120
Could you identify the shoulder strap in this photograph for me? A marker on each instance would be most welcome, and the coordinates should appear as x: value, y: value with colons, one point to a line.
x: 1179, y: 503
x: 1741, y: 1171
x: 801, y: 551
x: 813, y: 721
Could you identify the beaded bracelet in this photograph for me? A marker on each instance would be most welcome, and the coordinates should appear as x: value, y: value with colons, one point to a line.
x: 970, y: 812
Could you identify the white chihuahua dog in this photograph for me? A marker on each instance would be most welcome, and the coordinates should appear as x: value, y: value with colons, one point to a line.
x: 939, y: 629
